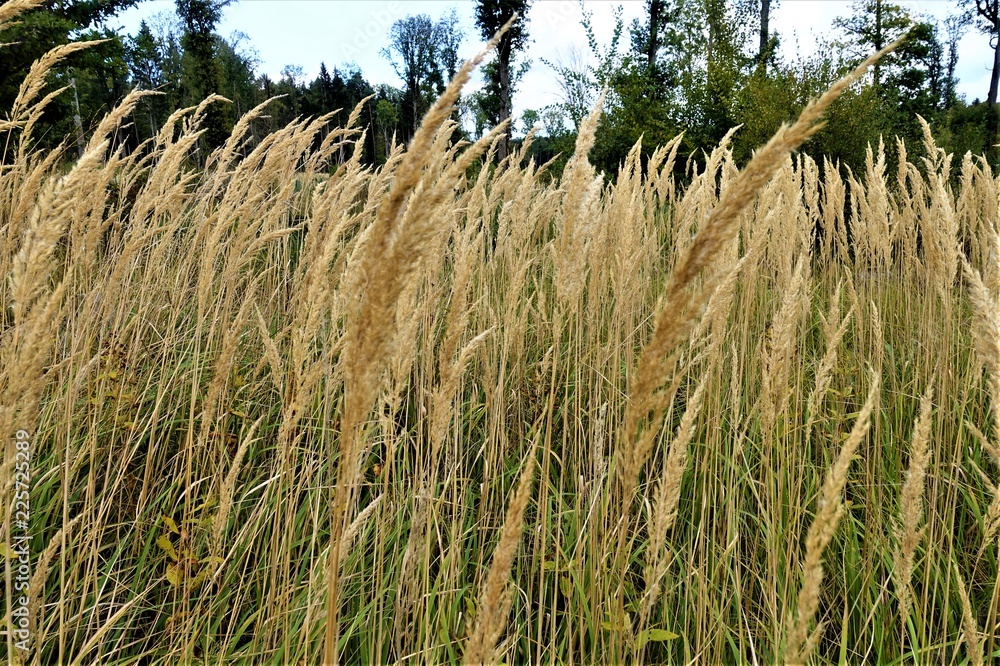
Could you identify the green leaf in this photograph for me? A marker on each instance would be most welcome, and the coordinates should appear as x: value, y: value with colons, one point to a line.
x: 566, y: 586
x: 656, y: 635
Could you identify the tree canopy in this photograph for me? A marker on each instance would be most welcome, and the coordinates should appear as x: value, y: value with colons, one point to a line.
x: 697, y: 67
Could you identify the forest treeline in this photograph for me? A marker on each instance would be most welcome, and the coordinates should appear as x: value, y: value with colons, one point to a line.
x: 697, y: 67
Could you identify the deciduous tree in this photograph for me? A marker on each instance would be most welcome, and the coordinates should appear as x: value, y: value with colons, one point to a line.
x: 491, y: 15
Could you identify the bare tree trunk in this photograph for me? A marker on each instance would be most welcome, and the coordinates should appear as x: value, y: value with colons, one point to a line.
x: 415, y: 102
x: 879, y: 43
x: 655, y: 7
x: 992, y: 121
x: 79, y: 124
x: 765, y: 36
x: 503, y: 65
x: 994, y: 78
x: 990, y: 11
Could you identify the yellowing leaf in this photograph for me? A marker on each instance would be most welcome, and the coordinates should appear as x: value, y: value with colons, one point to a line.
x: 163, y: 541
x: 655, y: 635
x: 6, y: 551
x: 239, y: 380
x: 174, y: 575
x: 200, y: 578
x: 239, y: 414
x: 174, y: 620
x: 169, y: 522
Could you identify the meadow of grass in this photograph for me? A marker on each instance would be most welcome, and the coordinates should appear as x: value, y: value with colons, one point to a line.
x: 285, y: 410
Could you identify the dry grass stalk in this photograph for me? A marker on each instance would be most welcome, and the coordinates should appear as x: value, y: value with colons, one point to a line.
x: 912, y: 504
x: 35, y: 81
x: 571, y: 244
x: 974, y: 647
x: 834, y: 329
x: 226, y: 490
x: 986, y: 336
x: 667, y: 498
x: 801, y: 641
x: 12, y: 8
x: 991, y: 519
x: 680, y: 304
x: 389, y: 257
x: 777, y: 367
x: 494, y: 601
x: 451, y: 360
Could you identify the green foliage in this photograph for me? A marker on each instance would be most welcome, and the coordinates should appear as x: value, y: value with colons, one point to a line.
x: 501, y: 78
x: 97, y: 73
x: 424, y: 54
x: 963, y: 128
x: 685, y: 66
x: 694, y: 67
x: 56, y: 22
x: 201, y: 68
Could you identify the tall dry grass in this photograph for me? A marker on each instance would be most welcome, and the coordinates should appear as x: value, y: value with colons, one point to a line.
x: 288, y: 409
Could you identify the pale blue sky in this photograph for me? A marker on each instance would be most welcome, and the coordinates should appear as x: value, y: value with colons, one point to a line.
x: 306, y: 32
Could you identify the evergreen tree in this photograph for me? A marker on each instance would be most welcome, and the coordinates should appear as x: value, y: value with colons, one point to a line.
x: 238, y: 64
x: 202, y: 69
x: 147, y: 71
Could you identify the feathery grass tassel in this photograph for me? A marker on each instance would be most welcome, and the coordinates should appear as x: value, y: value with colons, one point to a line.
x: 388, y: 258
